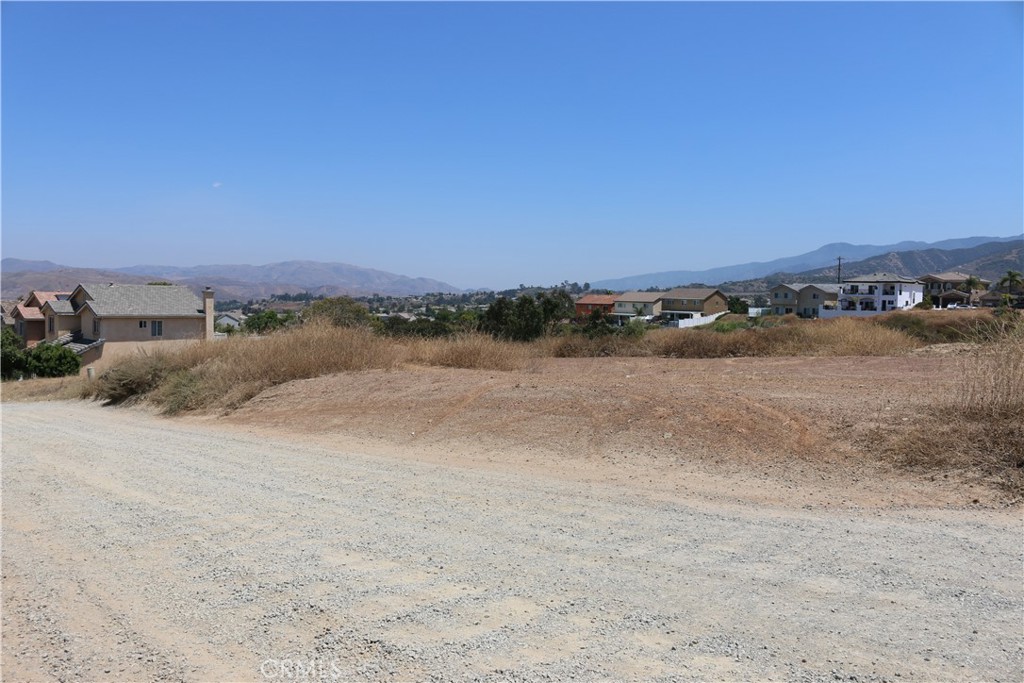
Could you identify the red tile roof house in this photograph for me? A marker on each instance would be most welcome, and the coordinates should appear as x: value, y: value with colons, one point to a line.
x: 588, y: 303
x: 29, y: 321
x: 104, y: 321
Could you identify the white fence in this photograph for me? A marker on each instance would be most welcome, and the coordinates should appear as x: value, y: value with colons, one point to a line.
x: 697, y: 320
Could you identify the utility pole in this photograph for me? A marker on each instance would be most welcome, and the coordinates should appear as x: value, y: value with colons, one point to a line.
x: 839, y: 272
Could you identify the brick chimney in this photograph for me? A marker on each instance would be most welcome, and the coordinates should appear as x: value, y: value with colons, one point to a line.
x: 208, y: 310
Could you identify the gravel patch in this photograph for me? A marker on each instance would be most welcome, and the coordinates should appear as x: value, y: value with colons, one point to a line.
x: 140, y: 548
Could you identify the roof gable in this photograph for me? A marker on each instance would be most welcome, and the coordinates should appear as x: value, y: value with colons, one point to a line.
x: 640, y: 297
x: 165, y: 301
x: 880, y: 277
x: 690, y: 293
x: 604, y: 299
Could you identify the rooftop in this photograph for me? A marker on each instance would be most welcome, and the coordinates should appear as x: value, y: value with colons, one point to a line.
x: 166, y: 301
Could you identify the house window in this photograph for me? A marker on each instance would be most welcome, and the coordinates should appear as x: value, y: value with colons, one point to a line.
x: 156, y: 328
x: 50, y: 324
x: 95, y: 327
x: 142, y: 324
x: 854, y: 289
x: 814, y: 295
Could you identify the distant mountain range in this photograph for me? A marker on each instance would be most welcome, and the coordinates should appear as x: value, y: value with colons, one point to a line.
x: 242, y: 282
x: 819, y: 258
x: 989, y: 261
x: 987, y: 257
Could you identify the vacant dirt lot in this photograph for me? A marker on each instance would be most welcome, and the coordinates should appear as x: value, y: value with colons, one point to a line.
x: 787, y: 431
x: 603, y: 519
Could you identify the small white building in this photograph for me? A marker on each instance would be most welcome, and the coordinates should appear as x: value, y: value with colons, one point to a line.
x: 876, y: 293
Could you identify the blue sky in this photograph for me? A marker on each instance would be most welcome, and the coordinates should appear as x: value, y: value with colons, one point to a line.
x: 491, y: 144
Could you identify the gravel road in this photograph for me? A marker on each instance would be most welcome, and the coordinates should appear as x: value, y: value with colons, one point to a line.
x: 147, y: 549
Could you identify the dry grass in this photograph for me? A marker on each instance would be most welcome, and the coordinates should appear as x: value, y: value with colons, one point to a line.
x: 229, y: 372
x: 839, y: 337
x: 941, y: 326
x: 471, y: 351
x: 43, y: 389
x: 978, y: 428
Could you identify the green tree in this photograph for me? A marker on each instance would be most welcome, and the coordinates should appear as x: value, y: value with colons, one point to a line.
x: 50, y: 360
x: 1012, y: 281
x: 341, y: 311
x: 555, y: 307
x: 969, y: 285
x: 521, y: 320
x: 597, y: 324
x: 13, y: 358
x: 738, y: 305
x: 261, y: 323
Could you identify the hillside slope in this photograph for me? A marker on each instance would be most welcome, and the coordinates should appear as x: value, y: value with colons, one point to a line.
x: 822, y: 257
x: 242, y: 282
x: 989, y: 261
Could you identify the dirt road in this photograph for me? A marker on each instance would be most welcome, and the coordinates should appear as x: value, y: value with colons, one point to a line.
x: 141, y: 548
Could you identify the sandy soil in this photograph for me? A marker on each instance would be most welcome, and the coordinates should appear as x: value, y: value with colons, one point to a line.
x: 787, y: 431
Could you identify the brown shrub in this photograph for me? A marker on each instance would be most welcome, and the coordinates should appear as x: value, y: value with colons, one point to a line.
x: 230, y: 371
x: 839, y: 337
x: 979, y: 427
x: 471, y: 351
x: 579, y: 346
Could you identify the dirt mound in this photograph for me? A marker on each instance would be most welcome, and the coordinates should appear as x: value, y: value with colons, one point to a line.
x: 784, y: 429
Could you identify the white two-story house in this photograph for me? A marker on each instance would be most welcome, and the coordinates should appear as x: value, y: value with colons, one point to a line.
x: 876, y: 293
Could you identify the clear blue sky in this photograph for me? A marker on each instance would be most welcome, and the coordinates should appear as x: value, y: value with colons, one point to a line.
x: 499, y: 143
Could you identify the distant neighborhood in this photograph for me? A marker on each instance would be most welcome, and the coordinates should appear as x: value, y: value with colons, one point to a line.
x: 100, y: 322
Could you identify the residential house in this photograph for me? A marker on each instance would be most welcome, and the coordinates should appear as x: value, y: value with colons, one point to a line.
x: 589, y: 303
x: 104, y: 320
x: 632, y: 304
x: 947, y: 288
x: 27, y: 316
x: 7, y: 311
x: 234, y: 320
x: 876, y: 293
x: 692, y: 302
x: 997, y: 296
x: 803, y: 299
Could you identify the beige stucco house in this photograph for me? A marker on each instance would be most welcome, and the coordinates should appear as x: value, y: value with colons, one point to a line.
x: 947, y: 288
x: 632, y: 304
x: 27, y: 316
x: 102, y: 321
x: 692, y: 302
x: 805, y: 300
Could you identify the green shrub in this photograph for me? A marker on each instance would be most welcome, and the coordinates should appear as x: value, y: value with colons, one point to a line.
x: 13, y: 358
x: 49, y: 360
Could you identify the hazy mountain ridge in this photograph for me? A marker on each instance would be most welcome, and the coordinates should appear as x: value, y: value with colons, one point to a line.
x: 241, y: 282
x: 822, y: 257
x: 989, y: 261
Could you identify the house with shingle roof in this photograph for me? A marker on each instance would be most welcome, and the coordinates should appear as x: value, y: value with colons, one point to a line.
x: 683, y: 303
x: 27, y: 316
x: 101, y: 320
x: 632, y: 304
x: 948, y: 288
x: 803, y: 299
